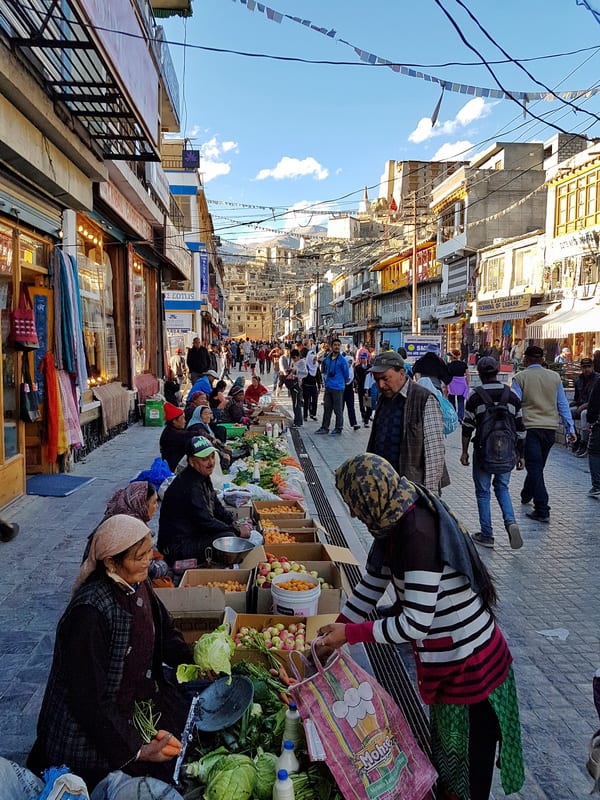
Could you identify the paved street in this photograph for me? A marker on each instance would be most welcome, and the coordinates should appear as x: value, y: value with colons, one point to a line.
x: 549, y: 585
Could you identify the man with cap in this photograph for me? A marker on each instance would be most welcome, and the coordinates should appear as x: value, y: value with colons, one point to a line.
x: 584, y: 383
x: 544, y: 403
x: 204, y: 383
x: 474, y: 414
x: 174, y: 438
x: 408, y: 428
x: 191, y: 514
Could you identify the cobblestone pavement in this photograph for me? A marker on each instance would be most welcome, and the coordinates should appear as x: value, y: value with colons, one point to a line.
x: 549, y: 585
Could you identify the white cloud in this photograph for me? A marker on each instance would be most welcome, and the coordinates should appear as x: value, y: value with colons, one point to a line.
x: 212, y: 169
x: 473, y: 110
x: 227, y: 146
x: 306, y: 213
x: 294, y: 168
x: 453, y: 151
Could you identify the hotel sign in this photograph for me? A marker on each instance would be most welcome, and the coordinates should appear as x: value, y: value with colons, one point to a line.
x: 495, y: 304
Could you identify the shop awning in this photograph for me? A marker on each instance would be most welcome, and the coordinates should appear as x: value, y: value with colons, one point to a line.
x: 585, y: 322
x: 568, y: 319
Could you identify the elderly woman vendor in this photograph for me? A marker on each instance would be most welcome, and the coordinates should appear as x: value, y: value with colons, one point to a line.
x: 111, y: 644
x: 444, y: 608
x: 191, y: 515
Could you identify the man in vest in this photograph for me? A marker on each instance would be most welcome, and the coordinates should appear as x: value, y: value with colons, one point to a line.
x: 544, y: 402
x: 408, y: 428
x: 473, y: 422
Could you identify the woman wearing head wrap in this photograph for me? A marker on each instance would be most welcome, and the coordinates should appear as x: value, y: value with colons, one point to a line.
x: 111, y: 643
x: 200, y: 425
x: 444, y: 601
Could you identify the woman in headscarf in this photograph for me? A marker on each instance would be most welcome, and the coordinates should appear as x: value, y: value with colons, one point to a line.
x: 444, y: 602
x: 111, y: 644
x: 200, y: 425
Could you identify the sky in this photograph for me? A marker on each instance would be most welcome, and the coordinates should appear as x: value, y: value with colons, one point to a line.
x: 299, y: 140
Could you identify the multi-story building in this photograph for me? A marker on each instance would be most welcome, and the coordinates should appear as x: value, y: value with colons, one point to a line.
x: 571, y: 274
x: 500, y: 194
x: 78, y: 135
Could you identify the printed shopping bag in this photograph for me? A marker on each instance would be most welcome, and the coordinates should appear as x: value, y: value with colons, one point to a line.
x: 366, y: 742
x: 29, y: 398
x: 23, y: 332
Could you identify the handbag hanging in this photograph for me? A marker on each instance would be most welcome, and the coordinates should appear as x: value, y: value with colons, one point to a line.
x: 360, y: 732
x: 23, y: 333
x: 29, y: 399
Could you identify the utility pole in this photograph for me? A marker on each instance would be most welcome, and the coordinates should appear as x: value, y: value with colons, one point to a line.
x: 317, y: 313
x: 414, y: 318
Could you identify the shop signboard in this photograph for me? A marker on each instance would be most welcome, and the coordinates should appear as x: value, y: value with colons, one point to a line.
x: 493, y: 305
x: 178, y: 322
x: 203, y: 273
x: 417, y: 346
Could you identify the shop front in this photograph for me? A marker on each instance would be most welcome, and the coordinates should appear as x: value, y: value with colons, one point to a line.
x: 503, y: 320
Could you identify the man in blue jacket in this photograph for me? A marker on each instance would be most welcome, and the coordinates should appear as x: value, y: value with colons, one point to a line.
x: 335, y: 376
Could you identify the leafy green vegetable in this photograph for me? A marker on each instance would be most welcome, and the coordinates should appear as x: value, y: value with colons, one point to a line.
x: 212, y: 653
x: 232, y: 778
x: 200, y: 769
x: 266, y: 774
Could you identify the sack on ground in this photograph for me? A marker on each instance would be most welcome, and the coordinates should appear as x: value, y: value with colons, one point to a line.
x: 362, y: 733
x: 496, y: 437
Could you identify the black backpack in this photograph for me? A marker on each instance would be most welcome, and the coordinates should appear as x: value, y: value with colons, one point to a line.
x: 496, y: 437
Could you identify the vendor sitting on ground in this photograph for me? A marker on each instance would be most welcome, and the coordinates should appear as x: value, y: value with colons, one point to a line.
x: 255, y: 391
x: 217, y: 399
x: 174, y: 438
x: 194, y: 400
x: 191, y: 515
x: 111, y: 644
x: 235, y: 411
x: 201, y: 424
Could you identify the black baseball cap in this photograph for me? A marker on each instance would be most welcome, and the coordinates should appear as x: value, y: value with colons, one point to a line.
x: 487, y: 364
x: 533, y: 351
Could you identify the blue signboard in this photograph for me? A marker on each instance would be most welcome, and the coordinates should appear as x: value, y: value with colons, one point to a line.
x: 40, y: 306
x: 203, y: 273
x: 417, y: 346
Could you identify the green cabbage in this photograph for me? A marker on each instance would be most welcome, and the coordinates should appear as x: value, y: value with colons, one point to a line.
x: 266, y: 774
x: 233, y: 777
x: 200, y: 769
x: 212, y: 653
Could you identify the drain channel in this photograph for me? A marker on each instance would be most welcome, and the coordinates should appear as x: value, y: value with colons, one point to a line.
x: 385, y: 660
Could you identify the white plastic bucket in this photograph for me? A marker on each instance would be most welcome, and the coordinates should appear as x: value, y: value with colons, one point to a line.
x: 295, y: 604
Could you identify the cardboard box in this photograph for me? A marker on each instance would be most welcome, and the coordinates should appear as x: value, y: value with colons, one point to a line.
x: 193, y: 625
x: 260, y: 621
x: 240, y: 512
x: 324, y: 558
x: 193, y: 596
x: 297, y: 513
x: 330, y: 600
x: 305, y: 530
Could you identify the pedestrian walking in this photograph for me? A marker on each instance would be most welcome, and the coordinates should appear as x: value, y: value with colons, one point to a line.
x: 493, y: 414
x: 197, y: 360
x: 310, y: 388
x: 349, y: 395
x: 445, y: 608
x: 274, y: 356
x: 361, y: 370
x: 458, y: 388
x: 593, y: 449
x: 408, y: 427
x: 544, y: 402
x: 335, y: 376
x: 262, y: 358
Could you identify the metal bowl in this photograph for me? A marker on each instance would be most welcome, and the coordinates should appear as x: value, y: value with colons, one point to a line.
x: 232, y: 549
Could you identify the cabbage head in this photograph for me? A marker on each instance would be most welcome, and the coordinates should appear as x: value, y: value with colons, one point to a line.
x: 266, y: 774
x: 213, y: 651
x: 232, y: 778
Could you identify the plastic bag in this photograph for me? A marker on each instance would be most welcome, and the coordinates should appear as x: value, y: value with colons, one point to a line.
x: 156, y: 474
x: 63, y: 785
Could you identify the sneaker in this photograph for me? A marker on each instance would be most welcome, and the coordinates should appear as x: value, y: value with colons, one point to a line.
x: 483, y: 541
x: 8, y: 531
x: 356, y: 427
x: 314, y: 418
x: 322, y: 430
x: 538, y: 517
x: 335, y: 432
x: 514, y: 534
x: 365, y: 425
x: 594, y: 492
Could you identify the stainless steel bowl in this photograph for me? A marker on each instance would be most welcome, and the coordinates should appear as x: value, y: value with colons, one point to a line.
x: 232, y: 549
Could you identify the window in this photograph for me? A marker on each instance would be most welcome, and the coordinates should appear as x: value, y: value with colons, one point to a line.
x: 589, y: 270
x: 493, y: 274
x: 576, y: 203
x: 139, y: 318
x: 524, y: 262
x: 95, y: 284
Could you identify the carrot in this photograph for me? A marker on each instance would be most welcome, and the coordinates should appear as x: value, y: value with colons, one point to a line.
x: 285, y: 698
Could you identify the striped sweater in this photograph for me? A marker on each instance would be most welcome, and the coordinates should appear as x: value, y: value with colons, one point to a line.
x: 460, y: 652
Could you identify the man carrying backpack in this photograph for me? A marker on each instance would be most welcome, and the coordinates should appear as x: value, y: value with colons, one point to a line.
x: 493, y: 413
